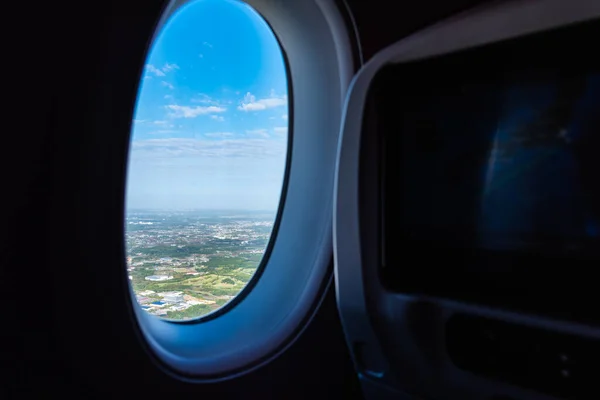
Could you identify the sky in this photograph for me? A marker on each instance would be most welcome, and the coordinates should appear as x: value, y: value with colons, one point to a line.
x: 211, y: 119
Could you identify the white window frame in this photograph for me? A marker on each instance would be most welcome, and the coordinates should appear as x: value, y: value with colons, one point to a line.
x: 284, y: 297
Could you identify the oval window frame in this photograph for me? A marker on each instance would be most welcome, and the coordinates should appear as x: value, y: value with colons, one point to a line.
x: 209, y: 348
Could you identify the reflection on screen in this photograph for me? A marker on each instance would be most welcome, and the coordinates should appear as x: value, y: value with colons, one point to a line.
x: 514, y: 165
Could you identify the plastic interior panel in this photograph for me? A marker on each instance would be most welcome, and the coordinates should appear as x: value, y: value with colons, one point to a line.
x: 402, y: 337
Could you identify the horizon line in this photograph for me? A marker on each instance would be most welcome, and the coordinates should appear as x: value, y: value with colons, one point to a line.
x: 200, y: 209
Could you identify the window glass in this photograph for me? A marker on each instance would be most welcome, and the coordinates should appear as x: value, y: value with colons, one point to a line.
x: 207, y: 159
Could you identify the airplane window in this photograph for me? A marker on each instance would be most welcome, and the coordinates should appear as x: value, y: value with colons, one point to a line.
x: 207, y: 159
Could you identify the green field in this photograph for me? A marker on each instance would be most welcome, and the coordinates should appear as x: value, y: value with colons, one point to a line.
x: 208, y: 261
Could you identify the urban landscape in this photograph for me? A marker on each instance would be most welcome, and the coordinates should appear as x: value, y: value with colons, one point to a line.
x: 186, y: 264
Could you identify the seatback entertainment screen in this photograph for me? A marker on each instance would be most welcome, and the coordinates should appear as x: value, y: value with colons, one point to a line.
x: 508, y: 164
x: 491, y: 163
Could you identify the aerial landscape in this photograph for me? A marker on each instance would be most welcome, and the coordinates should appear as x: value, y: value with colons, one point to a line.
x: 186, y: 264
x: 209, y: 138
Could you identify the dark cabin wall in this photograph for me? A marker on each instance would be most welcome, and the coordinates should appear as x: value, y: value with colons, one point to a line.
x: 53, y: 345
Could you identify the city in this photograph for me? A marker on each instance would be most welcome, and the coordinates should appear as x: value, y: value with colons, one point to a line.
x: 186, y: 264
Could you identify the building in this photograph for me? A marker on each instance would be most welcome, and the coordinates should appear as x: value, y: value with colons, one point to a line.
x: 143, y: 300
x: 157, y: 278
x: 173, y: 297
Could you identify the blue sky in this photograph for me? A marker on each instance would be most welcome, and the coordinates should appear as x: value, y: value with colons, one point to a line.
x: 210, y: 125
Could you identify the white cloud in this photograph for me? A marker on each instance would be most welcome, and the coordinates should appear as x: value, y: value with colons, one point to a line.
x: 221, y: 135
x: 161, y: 71
x: 164, y: 131
x: 163, y: 124
x: 168, y: 96
x: 205, y: 99
x: 167, y: 84
x: 258, y: 133
x: 155, y: 149
x: 154, y: 70
x: 217, y: 118
x: 192, y: 112
x: 280, y: 130
x: 207, y: 44
x: 169, y: 67
x: 250, y: 103
x: 284, y: 116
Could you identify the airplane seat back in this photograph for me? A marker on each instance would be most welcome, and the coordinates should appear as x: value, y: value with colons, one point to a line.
x: 465, y: 224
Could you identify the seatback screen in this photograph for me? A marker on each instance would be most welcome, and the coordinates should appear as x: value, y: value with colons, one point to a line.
x: 509, y: 164
x: 491, y: 162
